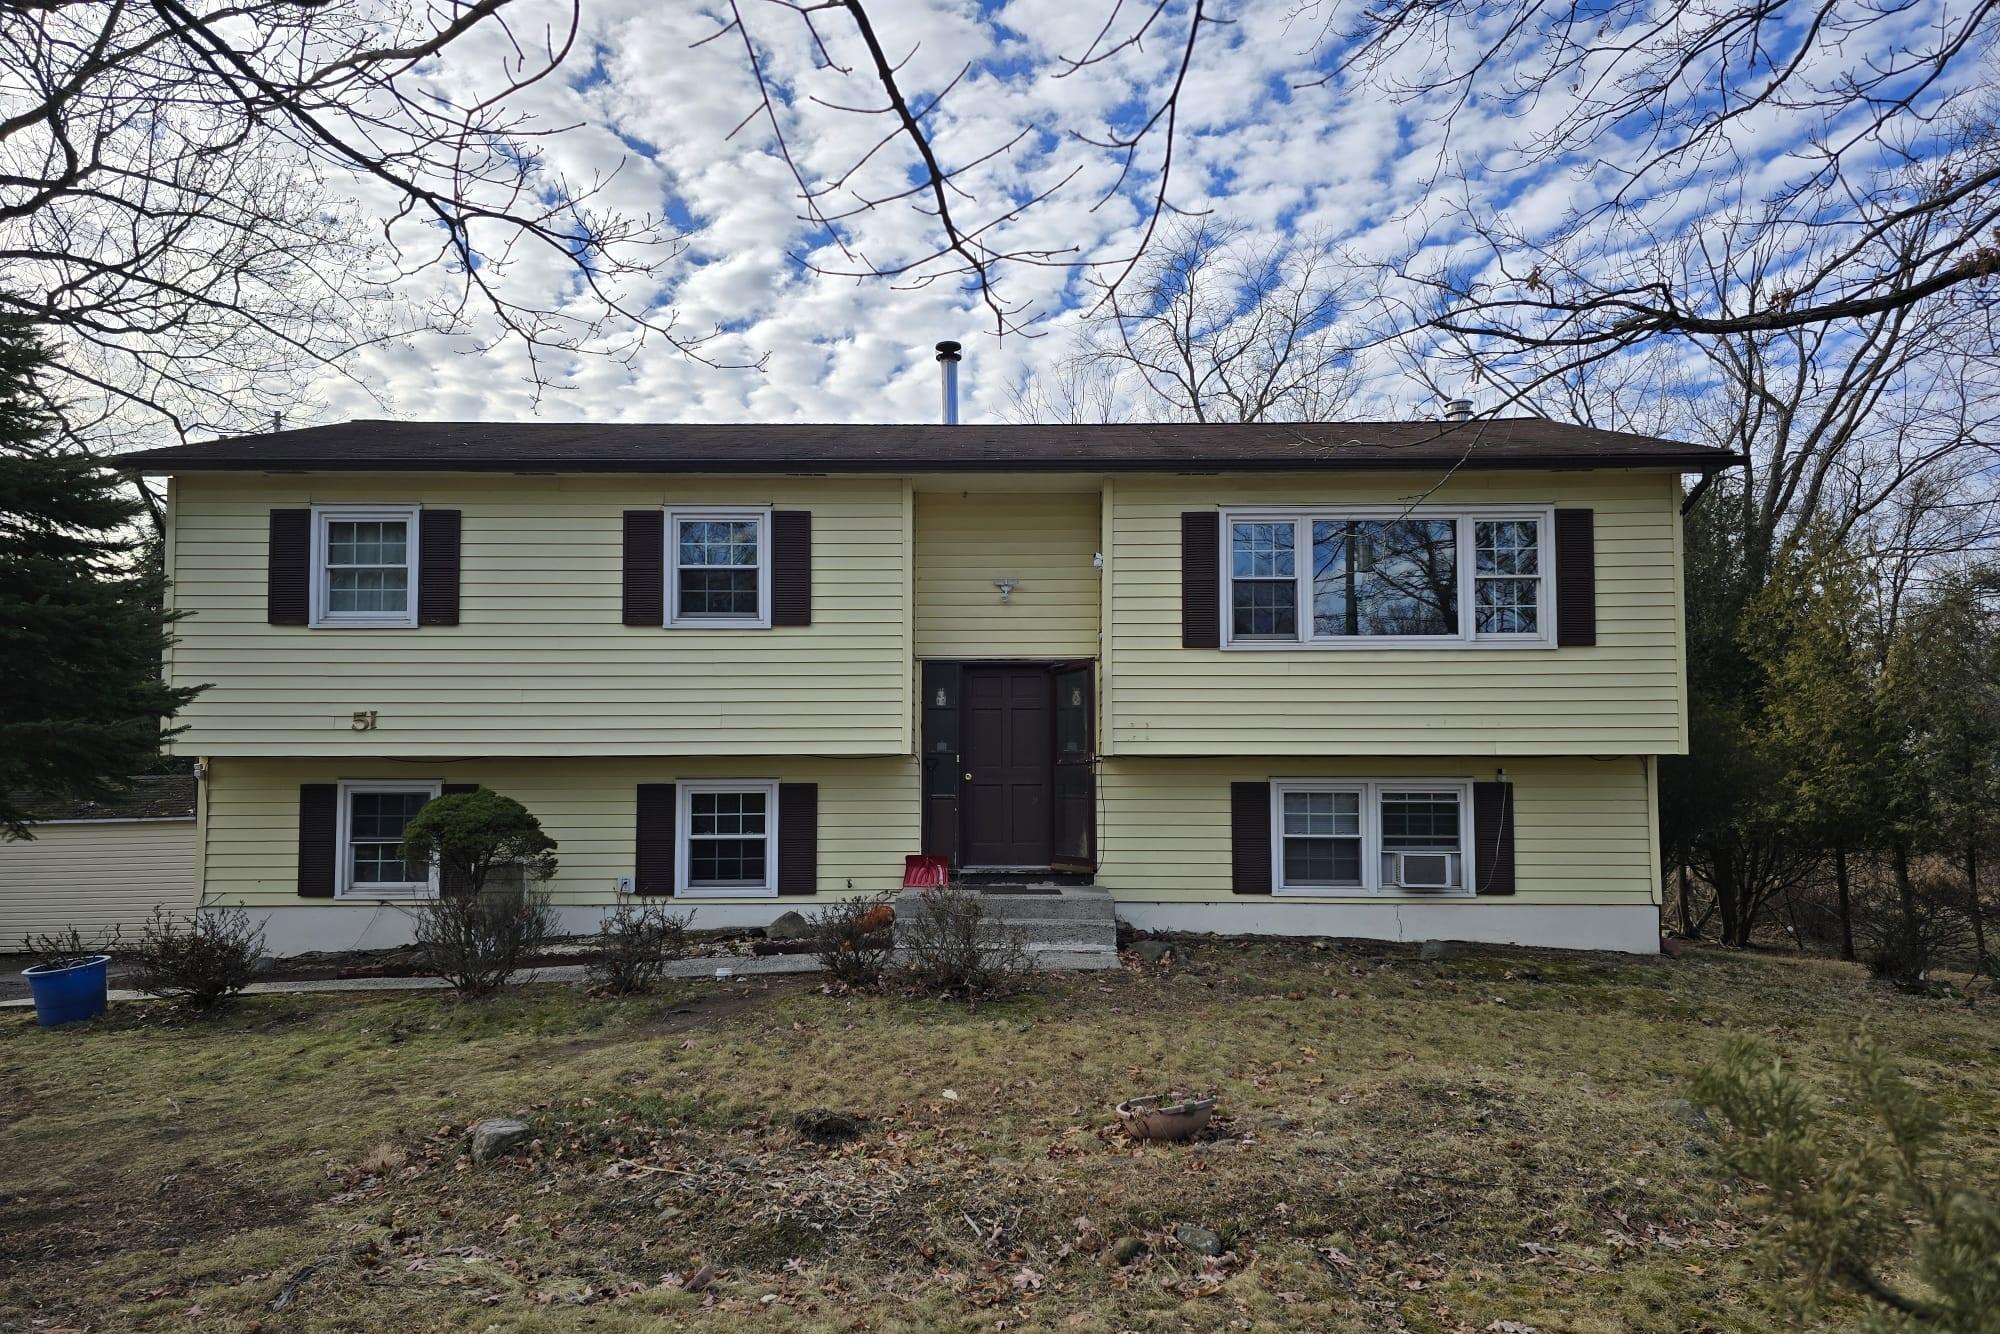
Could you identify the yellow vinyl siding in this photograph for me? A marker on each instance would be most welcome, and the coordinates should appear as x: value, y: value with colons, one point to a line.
x: 1583, y: 829
x: 540, y: 663
x: 1623, y: 696
x: 95, y: 875
x: 1045, y: 541
x: 867, y: 816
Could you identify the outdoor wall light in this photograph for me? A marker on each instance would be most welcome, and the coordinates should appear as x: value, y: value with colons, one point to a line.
x: 1006, y: 587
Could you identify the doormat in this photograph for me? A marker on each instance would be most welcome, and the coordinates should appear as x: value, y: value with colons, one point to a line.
x: 1019, y: 889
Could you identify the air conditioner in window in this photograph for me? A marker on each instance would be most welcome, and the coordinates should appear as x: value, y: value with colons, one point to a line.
x: 1423, y: 870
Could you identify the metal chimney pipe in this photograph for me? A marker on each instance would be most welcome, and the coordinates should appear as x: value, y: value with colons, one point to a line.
x: 947, y: 355
x: 1458, y: 409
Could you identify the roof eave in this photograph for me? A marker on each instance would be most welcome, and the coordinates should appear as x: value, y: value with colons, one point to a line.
x: 1703, y: 461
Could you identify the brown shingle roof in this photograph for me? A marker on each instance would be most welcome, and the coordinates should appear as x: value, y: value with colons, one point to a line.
x: 397, y: 446
x: 150, y: 797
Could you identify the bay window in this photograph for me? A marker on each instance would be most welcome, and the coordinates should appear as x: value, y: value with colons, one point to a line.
x: 1404, y: 576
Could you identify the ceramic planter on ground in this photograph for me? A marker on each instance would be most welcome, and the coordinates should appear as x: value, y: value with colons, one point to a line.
x: 1168, y: 1116
x: 65, y: 993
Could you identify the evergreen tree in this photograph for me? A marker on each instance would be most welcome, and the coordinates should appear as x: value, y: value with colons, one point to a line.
x: 82, y: 629
x: 1822, y: 712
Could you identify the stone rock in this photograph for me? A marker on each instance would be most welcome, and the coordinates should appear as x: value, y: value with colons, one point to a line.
x: 1127, y: 1249
x: 788, y: 926
x: 1198, y: 1239
x: 1154, y: 951
x: 1691, y: 1115
x: 1436, y: 951
x: 497, y: 1135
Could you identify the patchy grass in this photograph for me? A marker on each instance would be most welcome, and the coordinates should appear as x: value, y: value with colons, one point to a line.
x: 1403, y: 1146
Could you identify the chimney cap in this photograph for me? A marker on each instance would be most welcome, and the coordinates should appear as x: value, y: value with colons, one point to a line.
x: 947, y: 351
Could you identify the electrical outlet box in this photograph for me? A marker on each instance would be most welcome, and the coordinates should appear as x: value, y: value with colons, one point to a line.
x: 623, y: 884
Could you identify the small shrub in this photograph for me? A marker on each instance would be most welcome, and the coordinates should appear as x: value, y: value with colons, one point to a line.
x: 855, y: 939
x: 474, y: 941
x: 469, y: 835
x: 952, y: 950
x: 68, y: 947
x: 1877, y: 1213
x: 638, y: 944
x: 200, y: 962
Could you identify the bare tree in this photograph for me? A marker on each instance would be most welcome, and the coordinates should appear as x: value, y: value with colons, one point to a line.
x: 1215, y: 325
x: 205, y: 203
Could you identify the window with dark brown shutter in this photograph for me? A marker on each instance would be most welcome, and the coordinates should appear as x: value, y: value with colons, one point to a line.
x: 1493, y: 838
x: 791, y: 567
x: 1250, y: 838
x: 319, y: 821
x: 1576, y: 579
x: 453, y: 883
x: 437, y: 567
x: 645, y: 567
x: 1201, y: 579
x: 798, y: 838
x: 653, y: 853
x: 288, y: 571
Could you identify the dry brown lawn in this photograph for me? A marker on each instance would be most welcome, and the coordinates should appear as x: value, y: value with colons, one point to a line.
x: 1489, y: 1143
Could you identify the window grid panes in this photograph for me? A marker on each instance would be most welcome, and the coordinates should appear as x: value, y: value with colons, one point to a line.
x: 1506, y: 577
x: 1263, y: 580
x: 727, y: 840
x: 717, y: 562
x: 1322, y: 839
x: 367, y: 567
x: 375, y: 825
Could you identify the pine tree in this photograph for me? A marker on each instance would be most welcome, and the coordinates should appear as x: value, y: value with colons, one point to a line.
x: 82, y: 629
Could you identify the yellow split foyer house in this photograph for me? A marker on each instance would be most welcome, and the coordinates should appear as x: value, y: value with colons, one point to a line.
x: 1400, y: 680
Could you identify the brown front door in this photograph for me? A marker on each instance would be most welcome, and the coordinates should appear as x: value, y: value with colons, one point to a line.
x: 1009, y: 731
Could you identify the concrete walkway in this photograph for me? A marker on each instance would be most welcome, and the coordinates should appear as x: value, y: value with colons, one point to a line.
x: 713, y: 969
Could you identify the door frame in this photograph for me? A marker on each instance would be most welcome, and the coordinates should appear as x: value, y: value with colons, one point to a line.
x: 942, y: 761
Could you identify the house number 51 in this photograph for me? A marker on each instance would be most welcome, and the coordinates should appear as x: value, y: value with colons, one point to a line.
x: 364, y: 720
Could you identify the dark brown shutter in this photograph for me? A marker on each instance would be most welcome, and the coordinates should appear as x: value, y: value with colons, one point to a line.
x: 1250, y: 838
x: 288, y: 572
x: 798, y: 838
x: 653, y: 856
x: 791, y: 567
x: 319, y: 818
x: 1493, y: 838
x: 645, y: 570
x: 1576, y: 579
x: 451, y: 883
x: 1201, y: 579
x: 437, y: 567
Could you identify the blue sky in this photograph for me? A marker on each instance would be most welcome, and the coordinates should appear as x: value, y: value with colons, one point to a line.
x: 654, y: 114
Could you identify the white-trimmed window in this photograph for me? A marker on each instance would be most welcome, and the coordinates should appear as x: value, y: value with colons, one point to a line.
x: 364, y: 566
x: 728, y: 838
x: 719, y: 568
x: 1372, y: 836
x: 372, y: 818
x: 1386, y: 577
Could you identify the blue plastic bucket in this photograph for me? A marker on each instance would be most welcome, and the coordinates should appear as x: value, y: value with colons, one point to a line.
x: 65, y: 995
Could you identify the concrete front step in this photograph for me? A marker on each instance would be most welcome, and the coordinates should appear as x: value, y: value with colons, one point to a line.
x: 1072, y: 923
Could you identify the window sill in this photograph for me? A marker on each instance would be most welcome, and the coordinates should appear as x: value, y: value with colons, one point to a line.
x: 385, y: 894
x: 717, y: 625
x: 1393, y: 895
x: 362, y: 625
x: 733, y: 893
x: 1363, y: 645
